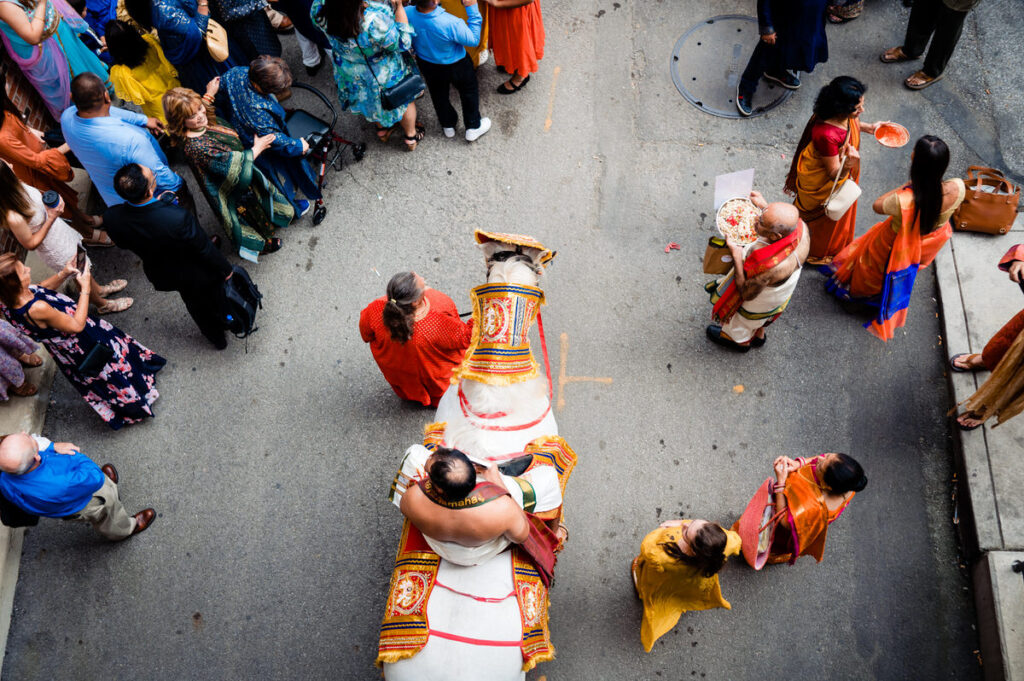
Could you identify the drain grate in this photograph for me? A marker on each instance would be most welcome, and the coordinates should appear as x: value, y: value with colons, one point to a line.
x: 707, y: 62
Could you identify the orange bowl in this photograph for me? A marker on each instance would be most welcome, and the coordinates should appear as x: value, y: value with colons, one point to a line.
x: 892, y: 135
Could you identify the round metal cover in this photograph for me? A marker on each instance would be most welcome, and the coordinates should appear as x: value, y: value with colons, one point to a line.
x: 707, y: 62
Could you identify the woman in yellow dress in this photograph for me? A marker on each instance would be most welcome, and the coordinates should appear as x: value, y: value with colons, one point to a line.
x: 141, y: 73
x: 677, y: 570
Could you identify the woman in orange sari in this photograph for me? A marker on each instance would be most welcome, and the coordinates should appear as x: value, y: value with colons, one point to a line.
x: 677, y: 571
x: 829, y: 149
x: 810, y: 494
x: 517, y: 40
x: 878, y: 269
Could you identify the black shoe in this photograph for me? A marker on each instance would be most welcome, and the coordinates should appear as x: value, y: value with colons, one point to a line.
x: 313, y: 70
x: 714, y: 332
x: 744, y: 102
x: 271, y: 246
x: 216, y: 241
x: 785, y: 79
x: 758, y: 341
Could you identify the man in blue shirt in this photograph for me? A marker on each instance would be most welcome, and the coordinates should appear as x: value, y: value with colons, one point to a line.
x: 58, y: 481
x: 440, y: 43
x: 106, y: 138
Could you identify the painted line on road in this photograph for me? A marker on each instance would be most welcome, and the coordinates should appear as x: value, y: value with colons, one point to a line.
x: 551, y: 98
x: 563, y: 342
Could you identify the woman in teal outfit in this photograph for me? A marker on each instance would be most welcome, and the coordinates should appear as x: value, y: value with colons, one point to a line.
x: 367, y: 40
x: 41, y: 36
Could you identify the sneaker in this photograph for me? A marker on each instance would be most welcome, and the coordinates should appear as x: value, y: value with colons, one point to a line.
x: 475, y: 133
x: 449, y: 132
x: 744, y: 102
x: 301, y: 208
x: 785, y: 79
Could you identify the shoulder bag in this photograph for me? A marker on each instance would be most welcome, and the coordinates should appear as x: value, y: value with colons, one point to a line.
x: 217, y: 41
x: 991, y: 210
x: 411, y: 87
x: 839, y: 202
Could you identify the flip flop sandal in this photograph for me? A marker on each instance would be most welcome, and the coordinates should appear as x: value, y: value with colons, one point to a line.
x: 34, y: 361
x: 502, y: 90
x: 835, y: 19
x: 902, y: 56
x: 953, y: 366
x: 272, y: 246
x: 115, y: 286
x: 928, y: 80
x: 116, y: 305
x: 26, y: 389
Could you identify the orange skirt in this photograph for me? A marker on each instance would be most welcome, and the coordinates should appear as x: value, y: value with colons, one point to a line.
x: 517, y: 37
x: 829, y: 237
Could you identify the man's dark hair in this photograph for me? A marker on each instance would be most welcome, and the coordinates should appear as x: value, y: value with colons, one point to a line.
x: 452, y: 474
x: 424, y: 4
x: 87, y: 91
x: 131, y: 184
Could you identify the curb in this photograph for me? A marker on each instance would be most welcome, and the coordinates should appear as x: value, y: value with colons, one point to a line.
x: 20, y: 414
x: 998, y: 591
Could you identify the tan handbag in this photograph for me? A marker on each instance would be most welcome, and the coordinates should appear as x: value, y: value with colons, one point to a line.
x: 217, y: 41
x: 839, y: 202
x: 717, y: 258
x: 990, y: 212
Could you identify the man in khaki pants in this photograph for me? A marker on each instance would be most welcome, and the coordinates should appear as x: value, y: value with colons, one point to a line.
x: 58, y: 481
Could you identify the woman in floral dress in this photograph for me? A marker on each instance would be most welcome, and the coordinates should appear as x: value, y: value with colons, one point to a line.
x: 121, y: 387
x: 367, y: 41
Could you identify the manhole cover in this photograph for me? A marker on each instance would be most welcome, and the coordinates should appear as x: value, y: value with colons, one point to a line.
x: 707, y: 62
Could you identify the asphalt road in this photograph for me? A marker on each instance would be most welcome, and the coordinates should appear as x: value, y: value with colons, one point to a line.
x: 269, y: 466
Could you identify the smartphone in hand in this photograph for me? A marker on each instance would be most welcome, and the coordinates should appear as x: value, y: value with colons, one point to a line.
x: 80, y: 258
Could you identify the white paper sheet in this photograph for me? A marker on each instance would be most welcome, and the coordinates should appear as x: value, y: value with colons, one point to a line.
x: 732, y: 185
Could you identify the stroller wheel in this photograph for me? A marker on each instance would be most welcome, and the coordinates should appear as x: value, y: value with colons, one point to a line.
x: 358, y: 151
x: 319, y: 213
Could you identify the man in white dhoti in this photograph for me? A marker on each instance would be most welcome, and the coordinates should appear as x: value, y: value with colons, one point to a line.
x: 759, y: 287
x: 468, y: 518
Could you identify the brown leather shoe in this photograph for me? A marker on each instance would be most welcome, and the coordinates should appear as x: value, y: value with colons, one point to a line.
x: 109, y: 471
x: 143, y: 519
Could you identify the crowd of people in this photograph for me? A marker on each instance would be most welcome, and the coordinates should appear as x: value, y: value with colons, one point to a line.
x: 159, y: 55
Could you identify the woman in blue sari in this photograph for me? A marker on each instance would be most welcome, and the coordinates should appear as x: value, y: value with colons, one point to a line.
x: 253, y: 93
x: 181, y: 26
x: 41, y: 36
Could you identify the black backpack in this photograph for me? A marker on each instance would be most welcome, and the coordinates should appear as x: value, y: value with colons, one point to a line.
x: 241, y: 300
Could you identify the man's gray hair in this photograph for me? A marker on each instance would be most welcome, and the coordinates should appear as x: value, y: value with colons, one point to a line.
x: 17, y: 452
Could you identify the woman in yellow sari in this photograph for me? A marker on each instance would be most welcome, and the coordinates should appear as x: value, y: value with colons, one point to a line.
x: 141, y: 73
x: 677, y: 570
x: 829, y: 148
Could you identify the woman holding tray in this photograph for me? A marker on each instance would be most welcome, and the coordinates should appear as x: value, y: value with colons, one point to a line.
x: 829, y: 149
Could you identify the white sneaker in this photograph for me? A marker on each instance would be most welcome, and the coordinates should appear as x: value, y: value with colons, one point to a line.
x: 449, y: 132
x: 474, y: 134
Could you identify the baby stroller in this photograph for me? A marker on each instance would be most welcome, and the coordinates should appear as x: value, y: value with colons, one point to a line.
x: 325, y: 147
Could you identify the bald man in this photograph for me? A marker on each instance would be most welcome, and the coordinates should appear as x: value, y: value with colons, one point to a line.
x: 763, y: 279
x: 57, y: 481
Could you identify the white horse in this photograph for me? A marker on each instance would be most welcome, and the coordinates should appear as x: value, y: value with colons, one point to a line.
x: 474, y: 615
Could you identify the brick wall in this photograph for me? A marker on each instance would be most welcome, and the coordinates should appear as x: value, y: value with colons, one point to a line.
x: 25, y: 97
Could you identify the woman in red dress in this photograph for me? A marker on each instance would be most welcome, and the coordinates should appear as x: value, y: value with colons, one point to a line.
x: 417, y: 338
x: 517, y: 40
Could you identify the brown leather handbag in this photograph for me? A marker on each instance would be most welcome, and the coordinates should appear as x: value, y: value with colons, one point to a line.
x: 717, y: 257
x: 989, y: 211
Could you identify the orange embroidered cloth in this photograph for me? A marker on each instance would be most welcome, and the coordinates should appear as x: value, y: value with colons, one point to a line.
x: 420, y: 369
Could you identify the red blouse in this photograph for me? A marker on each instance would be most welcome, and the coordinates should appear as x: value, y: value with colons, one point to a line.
x: 420, y: 369
x: 828, y: 139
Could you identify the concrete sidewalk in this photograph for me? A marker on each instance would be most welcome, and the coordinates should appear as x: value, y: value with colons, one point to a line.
x: 977, y: 299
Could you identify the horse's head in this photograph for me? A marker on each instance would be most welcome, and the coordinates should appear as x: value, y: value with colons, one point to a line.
x: 517, y: 269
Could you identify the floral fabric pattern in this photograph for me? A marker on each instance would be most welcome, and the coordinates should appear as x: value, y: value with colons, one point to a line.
x: 12, y: 346
x: 381, y: 43
x: 123, y: 392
